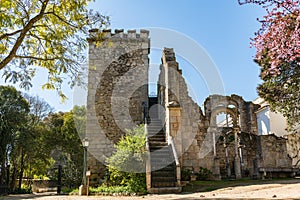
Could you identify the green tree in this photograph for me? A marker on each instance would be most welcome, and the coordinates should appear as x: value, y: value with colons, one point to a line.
x: 72, y: 129
x: 128, y: 164
x: 30, y: 154
x: 50, y: 34
x: 39, y: 108
x: 65, y: 140
x: 14, y: 110
x: 282, y: 91
x: 278, y: 54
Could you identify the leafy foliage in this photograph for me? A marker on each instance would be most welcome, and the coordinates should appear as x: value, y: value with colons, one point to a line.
x: 25, y: 189
x: 282, y: 91
x: 33, y: 144
x: 66, y: 144
x: 39, y: 108
x: 279, y: 35
x: 50, y: 34
x: 13, y: 111
x: 278, y: 53
x: 114, y: 190
x: 186, y: 174
x: 203, y: 174
x: 127, y: 165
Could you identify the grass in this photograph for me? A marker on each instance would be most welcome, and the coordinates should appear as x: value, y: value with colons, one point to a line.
x: 206, y: 186
x: 109, y: 190
x: 192, y: 187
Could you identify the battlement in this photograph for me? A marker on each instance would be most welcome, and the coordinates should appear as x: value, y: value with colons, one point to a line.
x: 96, y: 34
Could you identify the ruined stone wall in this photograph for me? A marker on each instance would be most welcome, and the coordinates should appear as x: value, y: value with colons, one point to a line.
x: 293, y: 148
x: 185, y: 137
x: 274, y: 152
x: 185, y: 116
x: 193, y: 141
x: 247, y: 150
x: 245, y: 110
x: 117, y: 87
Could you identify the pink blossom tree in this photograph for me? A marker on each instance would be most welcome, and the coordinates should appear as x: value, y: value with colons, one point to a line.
x: 277, y: 45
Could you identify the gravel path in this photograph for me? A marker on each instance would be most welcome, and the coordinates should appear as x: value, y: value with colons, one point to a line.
x: 280, y: 190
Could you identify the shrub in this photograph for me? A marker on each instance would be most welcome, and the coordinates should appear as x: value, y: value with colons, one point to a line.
x: 25, y: 189
x: 203, y: 174
x: 127, y: 165
x: 186, y: 175
x: 114, y: 190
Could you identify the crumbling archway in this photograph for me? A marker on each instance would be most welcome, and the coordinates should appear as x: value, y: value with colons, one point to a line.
x: 225, y: 131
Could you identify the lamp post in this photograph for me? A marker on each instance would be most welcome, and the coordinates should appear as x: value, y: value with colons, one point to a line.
x: 85, y: 144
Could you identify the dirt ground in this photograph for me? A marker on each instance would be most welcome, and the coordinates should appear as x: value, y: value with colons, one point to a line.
x: 274, y: 190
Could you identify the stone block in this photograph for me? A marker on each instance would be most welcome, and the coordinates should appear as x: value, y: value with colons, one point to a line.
x: 83, y: 190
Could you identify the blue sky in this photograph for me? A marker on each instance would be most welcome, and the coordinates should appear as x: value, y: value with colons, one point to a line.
x: 222, y: 27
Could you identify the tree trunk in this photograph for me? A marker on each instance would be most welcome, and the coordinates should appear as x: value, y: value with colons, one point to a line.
x: 2, y: 173
x: 13, y: 177
x: 21, y: 169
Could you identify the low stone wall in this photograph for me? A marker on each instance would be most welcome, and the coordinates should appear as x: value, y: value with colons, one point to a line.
x: 274, y: 152
x: 269, y: 173
x: 293, y: 148
x: 44, y: 186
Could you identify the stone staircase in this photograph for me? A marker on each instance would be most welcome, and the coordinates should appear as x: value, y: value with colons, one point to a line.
x: 163, y: 167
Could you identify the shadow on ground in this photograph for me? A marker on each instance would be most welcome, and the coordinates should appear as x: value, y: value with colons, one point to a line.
x: 207, y: 186
x: 27, y: 196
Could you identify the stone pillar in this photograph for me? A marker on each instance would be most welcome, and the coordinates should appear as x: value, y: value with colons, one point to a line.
x: 216, y: 161
x: 175, y: 119
x: 166, y: 100
x: 175, y: 127
x: 216, y: 168
x: 237, y: 160
x: 255, y: 169
x: 228, y: 171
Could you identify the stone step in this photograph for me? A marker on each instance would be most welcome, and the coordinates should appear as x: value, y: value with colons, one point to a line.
x: 159, y: 144
x: 163, y: 167
x: 159, y: 149
x: 162, y: 173
x: 160, y: 165
x: 158, y: 179
x: 155, y: 145
x: 157, y: 139
x: 156, y: 131
x: 156, y: 135
x: 161, y: 156
x: 167, y: 190
x: 163, y: 184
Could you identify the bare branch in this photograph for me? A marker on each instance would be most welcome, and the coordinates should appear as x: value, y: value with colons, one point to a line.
x: 37, y: 58
x: 6, y: 35
x: 61, y: 19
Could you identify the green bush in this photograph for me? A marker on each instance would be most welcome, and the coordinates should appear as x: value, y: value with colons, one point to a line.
x: 25, y: 189
x: 186, y: 174
x: 203, y: 174
x: 127, y: 165
x: 67, y: 190
x: 114, y: 190
x: 73, y: 192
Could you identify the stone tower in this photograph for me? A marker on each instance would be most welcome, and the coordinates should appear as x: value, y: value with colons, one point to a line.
x: 117, y: 90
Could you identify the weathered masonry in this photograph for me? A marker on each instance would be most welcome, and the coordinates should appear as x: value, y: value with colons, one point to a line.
x: 223, y: 138
x: 117, y: 88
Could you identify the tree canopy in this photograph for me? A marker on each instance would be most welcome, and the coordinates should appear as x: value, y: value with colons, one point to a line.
x: 13, y: 111
x: 34, y: 140
x: 48, y: 34
x: 277, y: 45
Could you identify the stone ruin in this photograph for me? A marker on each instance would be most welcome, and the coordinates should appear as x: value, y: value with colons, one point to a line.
x: 118, y: 99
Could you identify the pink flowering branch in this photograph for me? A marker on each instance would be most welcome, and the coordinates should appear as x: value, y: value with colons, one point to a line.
x: 279, y: 35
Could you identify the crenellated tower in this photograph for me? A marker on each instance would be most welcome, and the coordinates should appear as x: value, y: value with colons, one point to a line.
x: 117, y: 90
